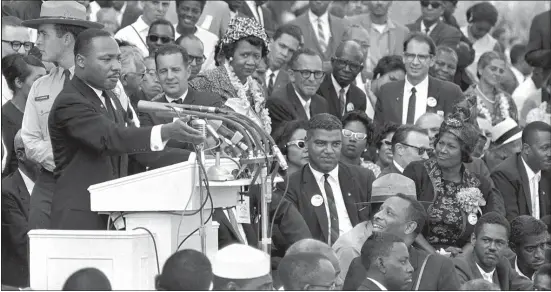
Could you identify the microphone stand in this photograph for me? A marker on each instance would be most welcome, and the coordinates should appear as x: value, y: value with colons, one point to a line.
x: 200, y: 125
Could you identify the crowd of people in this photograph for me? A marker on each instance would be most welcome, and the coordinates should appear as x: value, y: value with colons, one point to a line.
x: 419, y: 155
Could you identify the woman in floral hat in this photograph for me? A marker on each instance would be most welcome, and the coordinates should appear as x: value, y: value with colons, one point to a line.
x: 458, y: 196
x: 241, y: 50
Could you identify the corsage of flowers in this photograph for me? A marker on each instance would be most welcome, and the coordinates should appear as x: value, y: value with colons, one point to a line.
x: 470, y: 200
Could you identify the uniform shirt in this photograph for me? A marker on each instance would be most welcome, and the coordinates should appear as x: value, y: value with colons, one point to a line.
x: 421, y: 96
x: 136, y: 33
x: 34, y: 128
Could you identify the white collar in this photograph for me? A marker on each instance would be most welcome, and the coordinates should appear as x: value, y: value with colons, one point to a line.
x: 383, y: 288
x: 529, y: 172
x: 482, y: 272
x: 98, y: 92
x: 431, y: 28
x: 422, y: 84
x: 140, y: 24
x: 314, y: 18
x: 182, y: 97
x: 269, y: 72
x: 123, y: 8
x: 252, y: 5
x: 518, y: 270
x: 29, y: 183
x: 338, y: 87
x: 319, y: 175
x: 400, y: 168
x: 302, y: 101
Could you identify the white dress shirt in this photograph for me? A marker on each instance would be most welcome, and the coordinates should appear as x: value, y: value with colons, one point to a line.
x: 239, y: 225
x: 305, y: 103
x: 486, y: 276
x: 533, y: 182
x: 421, y: 94
x: 518, y: 75
x: 257, y: 11
x: 344, y: 220
x: 7, y: 94
x: 5, y: 151
x: 324, y: 25
x: 136, y: 34
x: 431, y: 28
x: 120, y: 13
x: 270, y: 72
x: 29, y: 183
x: 523, y: 92
x: 94, y: 8
x: 383, y: 288
x: 170, y: 100
x: 397, y: 165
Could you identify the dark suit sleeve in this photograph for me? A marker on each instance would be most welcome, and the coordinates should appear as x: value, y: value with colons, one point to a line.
x: 509, y: 189
x: 14, y: 223
x: 290, y: 222
x: 518, y: 282
x: 280, y: 111
x: 355, y: 275
x: 493, y: 197
x: 378, y: 118
x: 94, y: 130
x: 462, y: 269
x: 536, y: 55
x: 454, y: 96
x: 448, y: 280
x: 451, y: 38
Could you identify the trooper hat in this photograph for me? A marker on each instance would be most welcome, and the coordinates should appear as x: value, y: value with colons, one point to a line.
x: 62, y: 12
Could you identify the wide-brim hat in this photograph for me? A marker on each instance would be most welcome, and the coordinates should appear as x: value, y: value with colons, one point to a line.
x: 506, y: 131
x: 62, y: 12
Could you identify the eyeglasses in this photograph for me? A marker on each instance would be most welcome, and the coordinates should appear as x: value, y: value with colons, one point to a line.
x: 342, y: 63
x: 306, y: 73
x: 16, y: 45
x: 139, y: 75
x: 421, y: 57
x: 357, y: 136
x: 420, y: 150
x: 198, y: 59
x: 151, y: 72
x: 434, y: 5
x: 299, y: 143
x: 164, y: 39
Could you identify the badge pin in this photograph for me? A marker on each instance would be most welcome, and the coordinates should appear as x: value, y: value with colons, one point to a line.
x: 472, y: 219
x: 317, y: 200
x: 431, y: 101
x: 349, y: 107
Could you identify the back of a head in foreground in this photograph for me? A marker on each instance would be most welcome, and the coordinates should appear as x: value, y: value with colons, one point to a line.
x: 87, y: 279
x: 542, y: 278
x: 303, y: 270
x: 241, y: 267
x: 479, y: 285
x: 312, y: 246
x: 185, y: 270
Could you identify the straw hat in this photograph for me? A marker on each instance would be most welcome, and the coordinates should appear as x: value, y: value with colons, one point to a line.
x: 62, y: 12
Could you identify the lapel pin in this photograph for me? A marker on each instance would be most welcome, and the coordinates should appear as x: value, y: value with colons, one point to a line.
x: 349, y: 194
x: 316, y: 200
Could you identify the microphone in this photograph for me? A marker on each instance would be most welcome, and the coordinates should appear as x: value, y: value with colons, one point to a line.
x: 199, y: 125
x: 203, y: 109
x: 280, y: 158
x: 218, y: 129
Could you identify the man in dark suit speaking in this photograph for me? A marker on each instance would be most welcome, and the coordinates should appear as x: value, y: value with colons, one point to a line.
x: 403, y: 102
x: 89, y: 138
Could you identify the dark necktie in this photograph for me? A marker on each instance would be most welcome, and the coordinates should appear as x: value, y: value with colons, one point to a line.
x: 342, y: 101
x: 271, y: 84
x: 110, y: 109
x: 411, y: 107
x: 67, y: 75
x: 333, y: 215
x: 427, y: 29
x: 177, y: 101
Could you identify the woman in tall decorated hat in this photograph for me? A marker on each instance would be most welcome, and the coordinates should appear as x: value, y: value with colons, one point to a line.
x: 459, y: 197
x: 493, y: 103
x: 242, y: 49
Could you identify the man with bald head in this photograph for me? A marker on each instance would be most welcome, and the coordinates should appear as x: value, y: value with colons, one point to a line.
x: 338, y: 87
x: 306, y: 271
x: 430, y: 122
x: 195, y: 48
x: 310, y: 245
x: 16, y: 195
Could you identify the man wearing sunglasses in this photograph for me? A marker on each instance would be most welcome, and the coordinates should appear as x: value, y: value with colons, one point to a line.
x: 338, y: 88
x: 161, y: 32
x: 409, y: 143
x: 431, y: 24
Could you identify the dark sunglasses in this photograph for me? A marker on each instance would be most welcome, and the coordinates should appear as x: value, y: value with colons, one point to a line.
x: 198, y: 59
x: 420, y: 150
x: 434, y: 5
x: 299, y: 143
x: 164, y: 39
x: 342, y: 63
x: 307, y: 73
x: 16, y: 45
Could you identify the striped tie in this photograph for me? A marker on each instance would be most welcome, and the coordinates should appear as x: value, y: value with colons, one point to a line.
x: 321, y: 36
x: 333, y: 215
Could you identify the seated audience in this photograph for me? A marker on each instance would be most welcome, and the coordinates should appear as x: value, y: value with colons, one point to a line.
x: 383, y: 147
x: 485, y: 260
x: 529, y: 240
x: 132, y: 70
x: 542, y: 278
x: 410, y: 143
x: 430, y: 122
x: 241, y: 267
x: 286, y: 41
x: 506, y: 142
x: 20, y: 72
x: 386, y: 258
x: 523, y: 179
x: 306, y: 271
x: 298, y: 99
x: 150, y: 84
x: 443, y: 178
x: 431, y: 23
x: 160, y: 33
x: 87, y: 279
x: 290, y: 137
x: 338, y: 87
x: 479, y: 285
x: 185, y: 270
x: 357, y: 133
x: 445, y: 64
x: 194, y: 47
x: 388, y: 69
x: 360, y: 35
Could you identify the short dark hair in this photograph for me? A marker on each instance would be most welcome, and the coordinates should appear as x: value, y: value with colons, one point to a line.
x: 297, y: 270
x: 517, y: 53
x: 402, y: 133
x: 123, y: 43
x: 483, y: 11
x: 170, y: 49
x: 162, y: 21
x: 384, y: 130
x: 420, y: 37
x: 492, y: 218
x: 201, y: 2
x: 303, y: 51
x: 282, y: 134
x: 87, y: 279
x: 17, y: 66
x: 229, y: 49
x: 11, y: 21
x: 323, y: 121
x: 74, y: 30
x: 289, y: 29
x: 479, y: 285
x: 85, y: 38
x: 388, y: 64
x: 524, y: 226
x: 447, y: 50
x: 185, y: 270
x: 416, y: 212
x: 379, y: 244
x: 359, y: 116
x: 531, y: 129
x: 544, y: 270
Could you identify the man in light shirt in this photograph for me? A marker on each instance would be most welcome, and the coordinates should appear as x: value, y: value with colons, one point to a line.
x: 15, y: 40
x: 136, y: 33
x: 520, y: 68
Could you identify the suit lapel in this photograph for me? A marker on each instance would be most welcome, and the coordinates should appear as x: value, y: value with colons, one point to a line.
x: 336, y: 30
x: 164, y: 120
x: 88, y: 93
x: 474, y: 268
x: 416, y: 262
x: 295, y: 101
x: 544, y: 189
x: 435, y: 33
x: 331, y: 94
x: 22, y: 192
x: 433, y: 91
x: 399, y: 100
x: 525, y: 183
x: 348, y: 190
x: 310, y: 188
x: 312, y: 34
